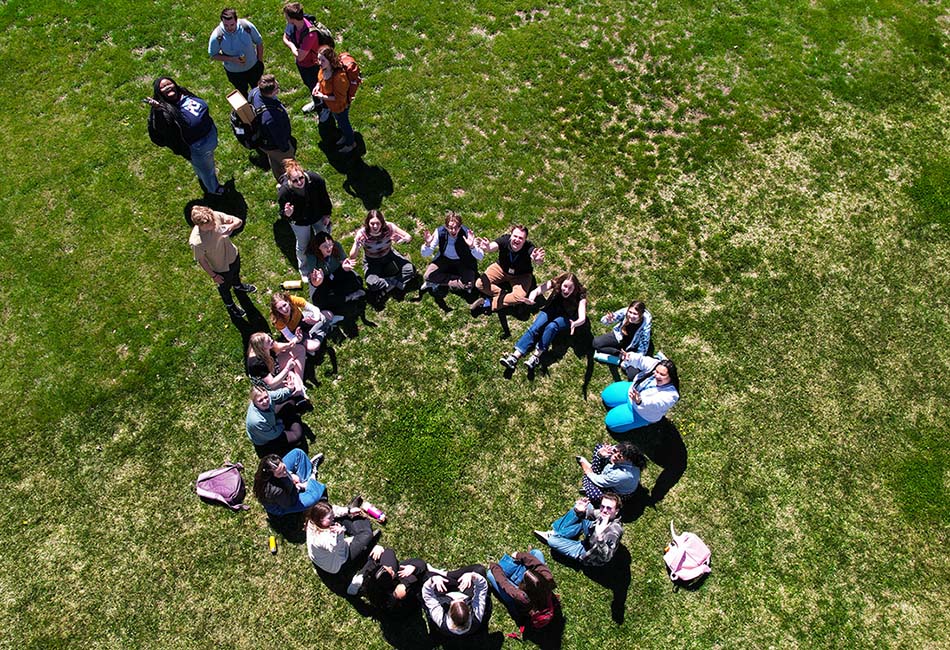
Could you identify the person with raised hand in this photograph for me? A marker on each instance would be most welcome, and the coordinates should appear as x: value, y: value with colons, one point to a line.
x: 565, y: 311
x: 303, y: 200
x: 632, y: 330
x: 385, y: 269
x: 645, y: 400
x: 515, y: 267
x: 455, y: 265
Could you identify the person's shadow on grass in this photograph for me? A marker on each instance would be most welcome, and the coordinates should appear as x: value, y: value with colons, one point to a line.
x: 662, y: 444
x: 614, y: 576
x: 581, y: 344
x: 287, y: 243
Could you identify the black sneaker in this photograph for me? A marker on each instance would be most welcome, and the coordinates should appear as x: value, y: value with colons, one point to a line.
x: 509, y: 361
x: 355, y: 503
x: 315, y: 462
x: 245, y: 288
x: 236, y: 311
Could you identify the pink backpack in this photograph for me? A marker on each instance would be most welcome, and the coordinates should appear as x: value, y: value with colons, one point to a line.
x: 223, y: 485
x: 687, y: 558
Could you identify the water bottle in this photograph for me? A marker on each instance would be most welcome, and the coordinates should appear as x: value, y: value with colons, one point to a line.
x: 374, y: 512
x: 607, y: 358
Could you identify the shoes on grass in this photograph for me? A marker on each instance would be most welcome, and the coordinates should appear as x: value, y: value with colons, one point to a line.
x: 236, y: 312
x: 245, y: 288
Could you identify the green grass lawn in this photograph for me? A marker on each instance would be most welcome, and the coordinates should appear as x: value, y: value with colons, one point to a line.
x: 773, y: 179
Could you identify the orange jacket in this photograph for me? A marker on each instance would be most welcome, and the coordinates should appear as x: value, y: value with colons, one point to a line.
x: 337, y: 85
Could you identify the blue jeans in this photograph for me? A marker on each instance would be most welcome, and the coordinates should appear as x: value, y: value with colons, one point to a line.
x: 343, y: 122
x: 202, y: 159
x: 296, y: 462
x: 621, y: 417
x: 566, y: 531
x: 544, y: 327
x: 515, y: 573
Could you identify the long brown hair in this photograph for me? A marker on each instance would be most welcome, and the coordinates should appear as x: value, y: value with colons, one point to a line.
x: 571, y: 302
x: 628, y: 328
x: 277, y: 297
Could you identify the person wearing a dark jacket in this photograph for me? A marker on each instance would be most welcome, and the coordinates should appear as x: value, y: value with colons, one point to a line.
x: 276, y: 141
x: 303, y: 200
x: 388, y: 584
x: 456, y: 257
x: 289, y: 484
x: 525, y: 584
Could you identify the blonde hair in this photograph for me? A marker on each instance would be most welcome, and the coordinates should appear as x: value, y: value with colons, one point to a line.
x: 257, y: 345
x: 202, y: 214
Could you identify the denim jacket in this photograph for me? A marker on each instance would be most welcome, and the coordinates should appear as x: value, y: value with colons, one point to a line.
x: 641, y: 338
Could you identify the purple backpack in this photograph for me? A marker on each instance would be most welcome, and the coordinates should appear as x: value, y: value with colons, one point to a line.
x: 223, y: 485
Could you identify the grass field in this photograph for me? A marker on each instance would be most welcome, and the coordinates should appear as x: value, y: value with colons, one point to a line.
x: 773, y: 179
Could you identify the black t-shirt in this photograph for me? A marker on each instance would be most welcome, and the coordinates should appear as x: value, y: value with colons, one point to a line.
x: 514, y: 263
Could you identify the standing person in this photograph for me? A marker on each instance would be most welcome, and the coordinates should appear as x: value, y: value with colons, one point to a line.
x: 239, y: 46
x: 276, y: 141
x: 646, y: 399
x: 215, y: 253
x: 303, y: 40
x: 332, y: 88
x: 385, y: 268
x: 456, y: 263
x: 178, y: 120
x: 600, y: 528
x: 515, y: 266
x: 631, y: 332
x: 458, y: 603
x: 567, y: 308
x: 303, y: 200
x: 615, y: 468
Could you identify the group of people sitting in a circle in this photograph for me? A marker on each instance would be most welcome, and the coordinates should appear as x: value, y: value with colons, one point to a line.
x: 341, y: 540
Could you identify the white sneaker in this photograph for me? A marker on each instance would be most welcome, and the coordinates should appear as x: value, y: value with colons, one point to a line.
x: 354, y: 587
x: 308, y: 107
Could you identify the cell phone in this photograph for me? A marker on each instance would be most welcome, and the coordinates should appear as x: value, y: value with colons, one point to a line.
x: 578, y: 459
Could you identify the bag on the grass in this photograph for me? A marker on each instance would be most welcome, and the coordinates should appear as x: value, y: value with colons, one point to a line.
x: 687, y: 558
x: 223, y: 485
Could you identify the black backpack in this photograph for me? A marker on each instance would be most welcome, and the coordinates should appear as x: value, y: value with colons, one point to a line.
x: 324, y: 35
x: 253, y: 135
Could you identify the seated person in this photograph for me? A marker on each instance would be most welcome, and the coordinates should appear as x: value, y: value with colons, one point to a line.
x: 600, y: 529
x: 631, y: 332
x: 297, y: 319
x: 337, y: 536
x: 389, y: 584
x: 525, y: 585
x: 385, y: 269
x: 457, y: 602
x: 615, y: 468
x: 264, y: 429
x: 567, y: 309
x: 289, y: 484
x: 334, y: 285
x: 644, y: 400
x: 270, y: 363
x: 456, y: 257
x: 515, y: 267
